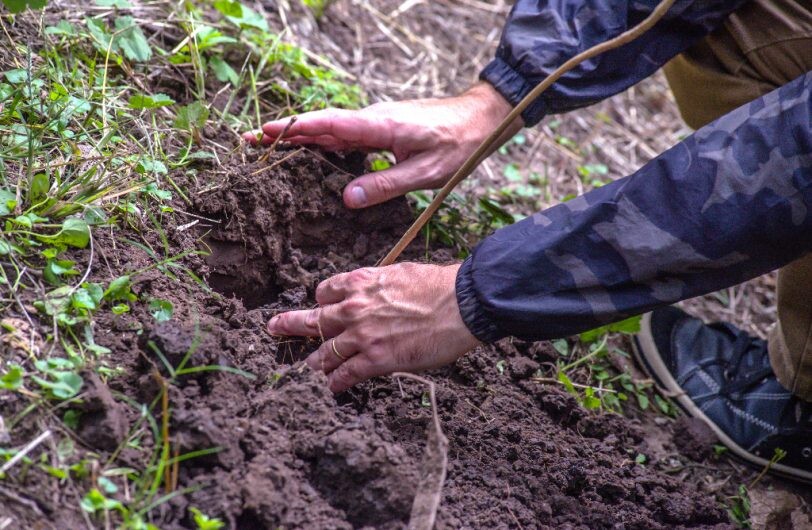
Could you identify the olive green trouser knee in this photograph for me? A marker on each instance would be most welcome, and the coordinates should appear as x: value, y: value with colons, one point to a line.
x: 762, y: 46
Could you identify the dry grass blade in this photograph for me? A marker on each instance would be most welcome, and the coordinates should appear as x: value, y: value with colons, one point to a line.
x: 433, y: 468
x: 27, y: 449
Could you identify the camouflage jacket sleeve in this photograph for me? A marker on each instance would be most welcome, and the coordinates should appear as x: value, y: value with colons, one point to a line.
x: 731, y: 202
x: 540, y: 35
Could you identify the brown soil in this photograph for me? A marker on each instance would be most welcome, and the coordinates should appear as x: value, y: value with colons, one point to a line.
x: 292, y: 455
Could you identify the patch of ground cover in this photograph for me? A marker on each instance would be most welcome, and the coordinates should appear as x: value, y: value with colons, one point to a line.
x: 151, y: 389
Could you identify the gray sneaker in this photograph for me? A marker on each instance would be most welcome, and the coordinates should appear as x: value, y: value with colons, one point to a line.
x: 721, y: 375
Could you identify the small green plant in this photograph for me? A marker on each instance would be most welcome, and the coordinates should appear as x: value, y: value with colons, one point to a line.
x: 595, y: 381
x: 204, y: 522
x: 738, y: 508
x: 460, y: 223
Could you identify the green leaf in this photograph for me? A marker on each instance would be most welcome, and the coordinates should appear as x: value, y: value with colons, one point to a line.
x: 120, y: 309
x: 39, y: 187
x: 379, y: 164
x: 567, y: 383
x: 95, y: 501
x: 119, y: 289
x: 131, y: 40
x: 95, y: 291
x: 146, y: 101
x: 17, y: 6
x: 82, y: 299
x: 121, y: 4
x: 16, y: 76
x: 204, y: 522
x: 71, y: 419
x: 107, y: 485
x: 161, y: 310
x: 75, y: 232
x: 229, y: 8
x: 640, y: 459
x: 8, y: 201
x: 22, y: 220
x: 55, y: 269
x: 95, y: 215
x: 63, y: 27
x: 562, y: 347
x: 513, y: 173
x: 56, y: 302
x: 153, y: 190
x: 64, y: 385
x: 150, y: 165
x: 249, y: 19
x: 102, y: 38
x: 192, y: 116
x: 643, y: 401
x: 590, y: 401
x: 13, y: 378
x: 223, y: 71
x: 629, y: 326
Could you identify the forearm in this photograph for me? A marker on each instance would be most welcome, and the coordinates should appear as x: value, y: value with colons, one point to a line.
x: 541, y: 35
x: 731, y: 202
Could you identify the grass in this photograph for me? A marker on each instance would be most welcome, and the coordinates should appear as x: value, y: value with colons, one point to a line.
x: 88, y: 149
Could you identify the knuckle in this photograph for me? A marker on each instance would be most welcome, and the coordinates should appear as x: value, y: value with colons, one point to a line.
x: 312, y: 318
x: 358, y: 277
x: 345, y: 375
x: 351, y: 308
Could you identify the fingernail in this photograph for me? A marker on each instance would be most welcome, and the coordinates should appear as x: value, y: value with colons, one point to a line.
x: 358, y: 197
x: 272, y: 325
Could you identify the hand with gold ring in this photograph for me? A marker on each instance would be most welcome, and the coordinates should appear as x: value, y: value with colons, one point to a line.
x: 403, y: 317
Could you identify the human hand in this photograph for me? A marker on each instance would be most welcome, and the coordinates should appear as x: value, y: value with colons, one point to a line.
x: 430, y: 138
x: 376, y: 321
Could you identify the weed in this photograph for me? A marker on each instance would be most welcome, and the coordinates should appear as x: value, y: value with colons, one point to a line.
x: 738, y: 508
x: 595, y: 380
x: 460, y: 223
x: 204, y: 522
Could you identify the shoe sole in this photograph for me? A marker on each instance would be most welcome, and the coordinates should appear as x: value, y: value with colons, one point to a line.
x: 656, y: 369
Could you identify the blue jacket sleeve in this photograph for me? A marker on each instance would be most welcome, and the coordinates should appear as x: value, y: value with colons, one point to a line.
x: 731, y: 202
x: 540, y: 35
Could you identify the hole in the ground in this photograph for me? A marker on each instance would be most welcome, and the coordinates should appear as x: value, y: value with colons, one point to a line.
x: 235, y: 274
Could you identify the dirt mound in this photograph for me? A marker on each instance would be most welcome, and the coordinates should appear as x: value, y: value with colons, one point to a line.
x: 279, y: 450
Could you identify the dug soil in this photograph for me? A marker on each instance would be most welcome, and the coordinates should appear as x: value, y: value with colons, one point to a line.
x: 289, y: 453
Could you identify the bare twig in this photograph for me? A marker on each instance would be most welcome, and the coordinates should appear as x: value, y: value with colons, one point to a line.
x: 19, y: 499
x: 277, y: 162
x: 283, y: 133
x: 434, y: 466
x: 25, y: 450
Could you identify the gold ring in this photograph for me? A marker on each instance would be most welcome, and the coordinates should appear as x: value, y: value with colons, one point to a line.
x: 335, y: 350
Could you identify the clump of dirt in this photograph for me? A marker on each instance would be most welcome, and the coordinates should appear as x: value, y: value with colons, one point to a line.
x: 279, y: 450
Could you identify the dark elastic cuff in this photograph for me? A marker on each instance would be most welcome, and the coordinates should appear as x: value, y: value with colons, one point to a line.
x: 480, y: 326
x: 513, y: 87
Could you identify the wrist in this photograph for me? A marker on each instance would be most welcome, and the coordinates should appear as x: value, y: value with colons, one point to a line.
x: 489, y: 108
